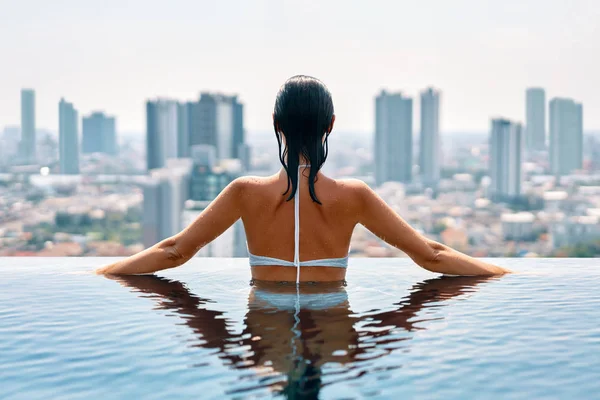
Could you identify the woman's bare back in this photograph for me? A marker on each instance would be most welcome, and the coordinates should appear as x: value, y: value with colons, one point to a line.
x: 325, y: 229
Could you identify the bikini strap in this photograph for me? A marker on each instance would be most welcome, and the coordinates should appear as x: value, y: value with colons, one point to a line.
x: 297, y: 225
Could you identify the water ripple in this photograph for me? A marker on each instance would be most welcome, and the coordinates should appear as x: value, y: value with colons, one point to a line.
x: 394, y: 331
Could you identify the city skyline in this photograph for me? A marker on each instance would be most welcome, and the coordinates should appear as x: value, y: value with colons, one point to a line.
x: 468, y: 49
x: 416, y: 126
x: 187, y: 113
x: 216, y: 119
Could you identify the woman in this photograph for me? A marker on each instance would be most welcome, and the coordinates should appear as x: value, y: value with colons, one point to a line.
x: 300, y: 199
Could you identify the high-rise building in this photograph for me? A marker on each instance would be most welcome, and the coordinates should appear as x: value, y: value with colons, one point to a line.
x: 225, y: 128
x: 217, y: 120
x: 594, y: 149
x: 183, y: 129
x: 99, y: 134
x: 47, y: 148
x: 535, y: 122
x: 430, y: 154
x: 506, y: 149
x: 238, y: 128
x: 28, y: 141
x: 174, y: 128
x: 207, y: 183
x: 165, y: 194
x: 182, y: 168
x: 204, y: 155
x: 231, y: 243
x: 203, y: 120
x: 245, y: 156
x: 68, y: 138
x: 9, y: 144
x: 154, y: 203
x: 161, y: 132
x: 393, y: 138
x: 207, y: 180
x: 566, y: 136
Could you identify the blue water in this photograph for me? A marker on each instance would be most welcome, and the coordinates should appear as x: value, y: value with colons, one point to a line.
x: 394, y: 331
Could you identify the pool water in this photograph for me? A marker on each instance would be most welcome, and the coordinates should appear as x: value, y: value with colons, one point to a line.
x: 394, y: 331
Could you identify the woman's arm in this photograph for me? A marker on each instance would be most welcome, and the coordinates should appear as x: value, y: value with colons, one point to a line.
x: 176, y: 250
x: 383, y: 221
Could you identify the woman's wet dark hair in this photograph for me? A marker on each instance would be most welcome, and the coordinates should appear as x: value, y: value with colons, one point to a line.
x: 303, y: 115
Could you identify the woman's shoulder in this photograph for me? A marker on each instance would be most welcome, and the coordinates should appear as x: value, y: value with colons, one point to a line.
x: 352, y: 184
x: 248, y: 181
x: 349, y: 190
x: 352, y: 187
x: 251, y: 184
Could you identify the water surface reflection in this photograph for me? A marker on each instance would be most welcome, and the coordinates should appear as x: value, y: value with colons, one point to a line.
x: 291, y: 337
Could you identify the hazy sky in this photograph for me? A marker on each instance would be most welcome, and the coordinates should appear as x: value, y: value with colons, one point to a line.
x: 112, y: 55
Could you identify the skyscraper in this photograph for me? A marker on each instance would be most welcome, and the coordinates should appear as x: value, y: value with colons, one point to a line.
x: 535, y: 122
x: 165, y: 193
x: 154, y: 202
x: 98, y: 134
x: 28, y: 142
x: 245, y: 156
x: 206, y: 183
x: 231, y: 243
x: 183, y: 129
x: 203, y: 120
x: 594, y: 149
x: 207, y: 180
x: 204, y: 155
x: 217, y: 120
x: 172, y: 128
x: 566, y: 136
x: 161, y: 132
x: 10, y: 144
x: 506, y: 149
x: 68, y: 138
x: 224, y: 128
x: 430, y: 155
x: 393, y: 138
x: 238, y: 129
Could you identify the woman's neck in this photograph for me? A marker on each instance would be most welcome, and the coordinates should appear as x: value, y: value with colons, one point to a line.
x: 283, y: 175
x: 301, y: 161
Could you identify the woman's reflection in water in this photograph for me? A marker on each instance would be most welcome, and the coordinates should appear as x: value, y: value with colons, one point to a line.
x: 293, y: 334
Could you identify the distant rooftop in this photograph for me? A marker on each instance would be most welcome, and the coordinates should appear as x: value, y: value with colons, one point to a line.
x: 518, y: 217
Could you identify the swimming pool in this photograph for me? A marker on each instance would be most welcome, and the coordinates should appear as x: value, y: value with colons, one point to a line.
x: 394, y: 331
